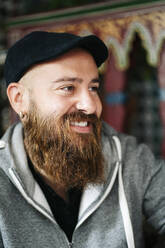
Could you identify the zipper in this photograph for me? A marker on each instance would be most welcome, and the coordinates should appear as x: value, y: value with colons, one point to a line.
x: 25, y: 195
x: 31, y: 202
x: 107, y: 191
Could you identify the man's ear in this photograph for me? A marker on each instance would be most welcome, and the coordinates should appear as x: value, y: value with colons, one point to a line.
x: 16, y: 95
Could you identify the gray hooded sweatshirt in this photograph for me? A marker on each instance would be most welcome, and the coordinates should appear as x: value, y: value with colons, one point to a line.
x: 110, y: 215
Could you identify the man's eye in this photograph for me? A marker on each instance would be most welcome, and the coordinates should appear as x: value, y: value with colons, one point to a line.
x: 94, y: 89
x: 68, y: 88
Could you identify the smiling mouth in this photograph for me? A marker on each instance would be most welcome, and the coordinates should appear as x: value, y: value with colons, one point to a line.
x: 80, y: 124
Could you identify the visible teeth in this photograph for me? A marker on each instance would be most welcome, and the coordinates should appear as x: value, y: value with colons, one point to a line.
x: 80, y: 124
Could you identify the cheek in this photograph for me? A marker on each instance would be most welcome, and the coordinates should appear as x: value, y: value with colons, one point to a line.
x: 54, y: 105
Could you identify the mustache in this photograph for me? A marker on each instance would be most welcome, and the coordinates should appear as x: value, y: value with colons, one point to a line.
x: 80, y: 116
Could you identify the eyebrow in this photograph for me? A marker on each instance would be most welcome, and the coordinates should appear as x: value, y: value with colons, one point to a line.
x: 76, y: 79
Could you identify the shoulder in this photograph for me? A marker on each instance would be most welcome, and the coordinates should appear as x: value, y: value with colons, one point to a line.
x: 6, y: 146
x: 137, y: 159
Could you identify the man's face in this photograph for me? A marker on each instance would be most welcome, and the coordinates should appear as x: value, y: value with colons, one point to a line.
x: 65, y: 85
x: 63, y: 127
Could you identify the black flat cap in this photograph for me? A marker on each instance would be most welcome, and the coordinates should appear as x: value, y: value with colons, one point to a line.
x: 40, y: 46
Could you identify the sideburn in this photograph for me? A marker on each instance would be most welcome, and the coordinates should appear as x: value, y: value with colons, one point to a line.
x: 69, y: 159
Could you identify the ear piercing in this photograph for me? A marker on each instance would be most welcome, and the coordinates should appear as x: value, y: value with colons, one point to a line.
x: 21, y: 115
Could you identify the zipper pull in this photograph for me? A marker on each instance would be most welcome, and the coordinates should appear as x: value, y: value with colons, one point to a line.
x: 70, y: 245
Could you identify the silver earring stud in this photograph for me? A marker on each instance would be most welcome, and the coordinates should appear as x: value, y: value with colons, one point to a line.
x: 21, y: 115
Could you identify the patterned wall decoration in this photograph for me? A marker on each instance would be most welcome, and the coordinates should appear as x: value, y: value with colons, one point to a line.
x: 117, y: 30
x: 117, y: 27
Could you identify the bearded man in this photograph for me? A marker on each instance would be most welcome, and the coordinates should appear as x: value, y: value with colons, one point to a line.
x: 68, y: 179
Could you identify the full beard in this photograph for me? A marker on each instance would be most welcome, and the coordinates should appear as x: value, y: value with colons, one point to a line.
x: 67, y: 158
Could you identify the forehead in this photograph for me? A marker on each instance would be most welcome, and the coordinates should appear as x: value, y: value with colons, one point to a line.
x: 69, y: 61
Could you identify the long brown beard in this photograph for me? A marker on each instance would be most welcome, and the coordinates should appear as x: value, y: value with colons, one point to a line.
x: 70, y: 159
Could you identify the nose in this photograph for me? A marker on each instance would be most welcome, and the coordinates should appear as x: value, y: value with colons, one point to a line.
x: 86, y: 103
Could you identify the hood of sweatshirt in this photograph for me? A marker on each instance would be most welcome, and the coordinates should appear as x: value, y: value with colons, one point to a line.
x: 13, y: 161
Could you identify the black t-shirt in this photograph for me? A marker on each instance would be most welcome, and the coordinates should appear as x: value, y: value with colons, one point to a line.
x: 65, y: 213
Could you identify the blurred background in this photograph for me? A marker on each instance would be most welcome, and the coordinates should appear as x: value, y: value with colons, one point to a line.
x: 133, y: 78
x: 133, y: 91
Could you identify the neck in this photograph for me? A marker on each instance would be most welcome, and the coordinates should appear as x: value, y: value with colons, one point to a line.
x: 61, y: 191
